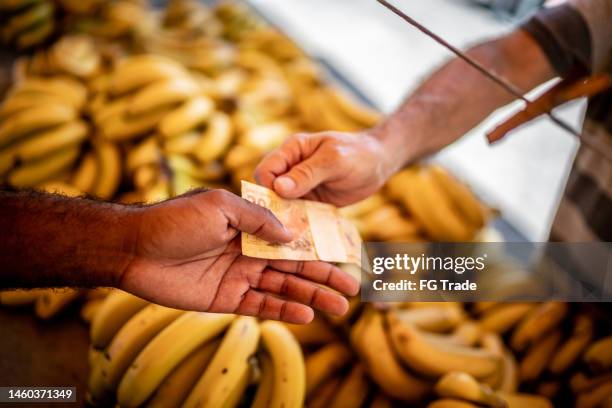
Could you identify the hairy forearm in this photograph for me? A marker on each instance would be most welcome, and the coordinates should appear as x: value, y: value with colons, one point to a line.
x: 457, y: 97
x: 52, y: 240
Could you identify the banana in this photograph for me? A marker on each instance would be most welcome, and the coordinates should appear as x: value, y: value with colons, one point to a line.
x: 35, y: 35
x: 144, y: 153
x: 162, y: 93
x: 364, y: 207
x: 518, y: 400
x: 369, y: 339
x: 117, y: 309
x: 429, y: 205
x: 537, y: 323
x: 266, y: 382
x: 76, y: 55
x: 165, y: 352
x: 182, y: 144
x: 52, y: 140
x: 451, y: 403
x: 331, y: 118
x: 481, y: 307
x: 510, y: 377
x: 64, y: 89
x: 599, y: 355
x: 50, y: 303
x: 267, y: 136
x: 380, y: 401
x: 158, y: 192
x: 463, y: 199
x: 126, y: 127
x: 24, y: 100
x: 386, y: 223
x: 216, y: 139
x: 59, y: 187
x: 361, y: 114
x: 549, y: 389
x: 503, y: 317
x: 110, y: 169
x: 27, y: 19
x: 39, y: 171
x: 436, y: 359
x: 85, y: 174
x: 13, y: 5
x: 466, y: 334
x: 289, y: 386
x: 354, y: 390
x: 108, y: 111
x: 462, y: 386
x: 89, y: 309
x: 8, y: 159
x: 324, y: 364
x: 145, y: 176
x: 580, y: 383
x: 538, y: 356
x: 178, y: 384
x: 573, y: 348
x: 493, y: 342
x: 20, y: 297
x: 594, y: 397
x: 432, y: 318
x: 315, y: 333
x: 229, y: 365
x: 210, y: 171
x: 136, y: 72
x: 34, y: 119
x: 188, y: 116
x: 237, y: 394
x: 325, y: 393
x: 125, y: 346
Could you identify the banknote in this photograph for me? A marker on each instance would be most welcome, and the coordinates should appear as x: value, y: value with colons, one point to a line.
x: 319, y: 231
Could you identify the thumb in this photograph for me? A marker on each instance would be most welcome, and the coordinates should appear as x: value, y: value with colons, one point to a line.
x: 303, y: 177
x: 254, y: 219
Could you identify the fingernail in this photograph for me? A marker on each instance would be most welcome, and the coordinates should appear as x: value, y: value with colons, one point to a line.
x: 285, y: 183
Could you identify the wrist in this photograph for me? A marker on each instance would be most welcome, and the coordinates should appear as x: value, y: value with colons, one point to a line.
x: 396, y: 152
x: 129, y: 222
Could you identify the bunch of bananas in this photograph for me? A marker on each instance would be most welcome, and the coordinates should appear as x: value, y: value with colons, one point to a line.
x: 26, y: 23
x: 421, y: 203
x: 48, y: 303
x: 144, y: 353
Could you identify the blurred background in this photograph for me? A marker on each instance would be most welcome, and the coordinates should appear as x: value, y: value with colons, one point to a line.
x: 385, y: 59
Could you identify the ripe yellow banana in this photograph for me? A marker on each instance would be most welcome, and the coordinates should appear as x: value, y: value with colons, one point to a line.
x: 13, y: 5
x: 380, y: 401
x: 165, y: 352
x: 126, y: 127
x: 364, y: 207
x: 59, y: 187
x: 175, y: 388
x: 432, y: 318
x: 503, y: 317
x: 163, y: 93
x: 325, y: 393
x: 599, y: 354
x: 354, y: 390
x: 186, y: 117
x: 146, y: 152
x: 570, y: 351
x: 451, y: 403
x: 26, y: 19
x: 64, y: 89
x: 359, y: 113
x: 237, y: 394
x: 580, y: 382
x: 125, y: 346
x: 216, y: 139
x: 263, y: 395
x: 89, y: 309
x: 46, y: 142
x: 136, y: 72
x: 39, y: 171
x: 182, y: 144
x: 462, y: 386
x: 7, y: 159
x: 519, y: 400
x: 595, y: 397
x: 117, y: 309
x: 267, y: 136
x: 20, y: 297
x: 537, y: 323
x: 228, y: 367
x: 463, y: 199
x: 35, y: 35
x: 466, y: 334
x: 538, y: 356
x: 369, y: 338
x: 110, y: 169
x: 211, y: 171
x: 510, y: 377
x: 434, y: 359
x: 53, y: 301
x: 35, y: 119
x: 326, y: 109
x: 386, y: 223
x: 429, y: 205
x: 24, y: 100
x: 324, y: 364
x: 145, y: 176
x: 76, y: 55
x: 109, y: 111
x: 289, y: 386
x: 85, y: 175
x: 315, y: 333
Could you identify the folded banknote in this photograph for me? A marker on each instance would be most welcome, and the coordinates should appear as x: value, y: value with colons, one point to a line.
x: 320, y: 233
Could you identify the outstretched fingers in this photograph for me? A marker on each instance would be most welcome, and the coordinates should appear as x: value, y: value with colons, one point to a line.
x: 267, y: 306
x: 320, y: 272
